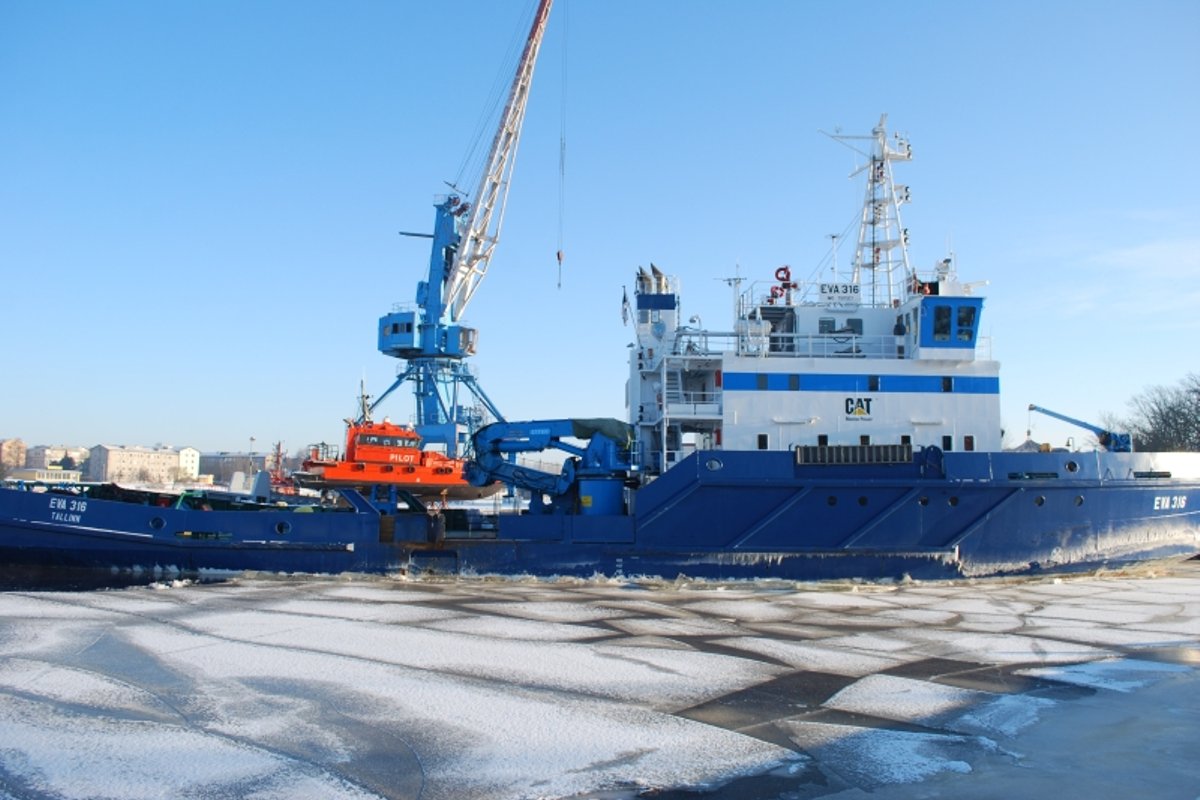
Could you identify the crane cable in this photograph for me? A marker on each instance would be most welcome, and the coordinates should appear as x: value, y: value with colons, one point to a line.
x: 473, y: 164
x: 562, y: 147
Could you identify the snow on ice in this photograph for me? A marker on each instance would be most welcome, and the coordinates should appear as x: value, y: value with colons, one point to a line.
x: 511, y: 690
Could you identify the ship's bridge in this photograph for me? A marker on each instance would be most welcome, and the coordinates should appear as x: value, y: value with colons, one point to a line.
x: 797, y: 373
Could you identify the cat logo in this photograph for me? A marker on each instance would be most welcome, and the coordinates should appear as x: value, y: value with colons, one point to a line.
x: 858, y: 407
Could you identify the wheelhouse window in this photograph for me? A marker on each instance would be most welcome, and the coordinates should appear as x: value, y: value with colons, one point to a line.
x: 941, y: 323
x: 762, y: 441
x: 966, y: 323
x: 387, y: 441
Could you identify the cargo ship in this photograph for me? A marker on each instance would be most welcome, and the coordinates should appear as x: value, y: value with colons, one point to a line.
x: 846, y: 426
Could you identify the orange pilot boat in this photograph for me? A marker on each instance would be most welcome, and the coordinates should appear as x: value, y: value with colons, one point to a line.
x: 384, y: 453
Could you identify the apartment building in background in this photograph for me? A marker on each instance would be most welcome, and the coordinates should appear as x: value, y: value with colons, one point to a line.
x: 159, y: 465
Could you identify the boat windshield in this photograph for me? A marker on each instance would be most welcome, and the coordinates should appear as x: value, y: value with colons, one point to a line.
x: 376, y: 440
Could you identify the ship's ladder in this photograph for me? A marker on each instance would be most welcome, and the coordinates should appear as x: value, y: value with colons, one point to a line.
x: 673, y: 389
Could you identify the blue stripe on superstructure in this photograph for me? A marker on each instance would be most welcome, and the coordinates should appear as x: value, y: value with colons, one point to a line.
x: 833, y: 383
x: 739, y: 381
x: 910, y: 383
x: 977, y: 384
x: 777, y: 381
x: 888, y: 384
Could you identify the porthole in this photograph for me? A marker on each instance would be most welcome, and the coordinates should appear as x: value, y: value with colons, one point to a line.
x: 157, y: 523
x: 713, y: 464
x: 1078, y: 499
x: 923, y: 500
x: 831, y: 500
x: 283, y: 527
x: 862, y: 501
x: 953, y: 501
x: 1072, y: 466
x: 1040, y: 500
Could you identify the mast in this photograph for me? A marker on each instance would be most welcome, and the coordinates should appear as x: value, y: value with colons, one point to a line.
x: 881, y: 254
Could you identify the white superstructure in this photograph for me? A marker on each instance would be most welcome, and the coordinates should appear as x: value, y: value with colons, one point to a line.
x: 883, y: 355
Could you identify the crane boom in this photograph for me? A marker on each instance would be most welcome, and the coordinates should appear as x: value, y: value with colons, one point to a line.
x: 483, y: 220
x: 430, y: 337
x: 1109, y: 440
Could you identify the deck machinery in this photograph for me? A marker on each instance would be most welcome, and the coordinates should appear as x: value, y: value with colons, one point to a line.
x: 1116, y: 441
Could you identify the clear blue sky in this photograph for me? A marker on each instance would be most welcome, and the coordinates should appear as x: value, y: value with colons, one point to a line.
x: 199, y: 201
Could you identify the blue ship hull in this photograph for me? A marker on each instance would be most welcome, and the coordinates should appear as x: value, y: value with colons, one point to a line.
x: 731, y: 515
x: 717, y: 515
x: 70, y: 536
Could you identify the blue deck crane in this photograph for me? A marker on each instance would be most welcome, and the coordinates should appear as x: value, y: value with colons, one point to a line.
x: 1109, y: 440
x: 592, y: 477
x: 431, y: 338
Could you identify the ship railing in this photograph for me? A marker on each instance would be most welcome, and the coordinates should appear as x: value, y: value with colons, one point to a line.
x: 791, y: 345
x: 692, y: 404
x: 706, y: 343
x: 323, y: 451
x: 839, y: 344
x: 657, y: 463
x: 827, y: 345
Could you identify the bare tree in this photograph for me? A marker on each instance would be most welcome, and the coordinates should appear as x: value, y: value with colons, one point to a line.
x: 1167, y: 418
